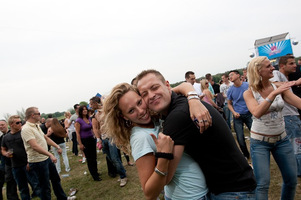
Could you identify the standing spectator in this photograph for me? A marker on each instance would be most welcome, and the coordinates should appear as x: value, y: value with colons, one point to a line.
x: 268, y: 136
x: 209, y: 78
x: 39, y: 159
x: 238, y: 107
x: 287, y: 65
x: 86, y: 140
x: 57, y: 133
x: 67, y: 116
x: 224, y: 90
x: 5, y: 169
x: 71, y: 128
x: 13, y: 148
x: 208, y: 97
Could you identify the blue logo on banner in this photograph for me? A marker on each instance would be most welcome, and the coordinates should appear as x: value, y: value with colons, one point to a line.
x: 276, y: 49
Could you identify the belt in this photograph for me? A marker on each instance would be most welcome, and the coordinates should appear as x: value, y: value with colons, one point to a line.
x: 271, y: 139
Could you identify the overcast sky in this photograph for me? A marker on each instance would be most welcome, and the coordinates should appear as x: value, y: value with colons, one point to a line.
x: 54, y: 54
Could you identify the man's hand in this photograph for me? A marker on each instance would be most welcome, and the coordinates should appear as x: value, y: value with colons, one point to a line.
x: 236, y: 115
x: 53, y: 159
x: 200, y: 113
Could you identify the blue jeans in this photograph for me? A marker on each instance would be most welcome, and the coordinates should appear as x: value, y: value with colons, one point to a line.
x: 41, y: 170
x: 206, y: 197
x: 23, y: 177
x: 283, y: 154
x: 227, y: 114
x: 239, y: 129
x: 248, y: 195
x: 293, y: 130
x: 114, y: 156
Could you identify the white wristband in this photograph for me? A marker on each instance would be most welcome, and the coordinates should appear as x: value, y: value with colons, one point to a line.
x: 268, y: 100
x: 160, y: 173
x: 98, y: 139
x: 193, y: 97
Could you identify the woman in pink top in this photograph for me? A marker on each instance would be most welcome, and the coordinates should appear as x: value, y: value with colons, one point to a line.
x: 208, y: 97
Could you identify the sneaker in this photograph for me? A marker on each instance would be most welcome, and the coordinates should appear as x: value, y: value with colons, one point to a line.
x: 84, y: 160
x: 123, y: 182
x: 71, y: 198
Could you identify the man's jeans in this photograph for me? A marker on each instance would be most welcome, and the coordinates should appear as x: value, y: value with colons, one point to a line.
x: 283, y: 154
x: 293, y: 130
x: 227, y: 114
x: 41, y: 169
x: 234, y: 195
x: 239, y: 129
x: 23, y: 177
x: 113, y: 155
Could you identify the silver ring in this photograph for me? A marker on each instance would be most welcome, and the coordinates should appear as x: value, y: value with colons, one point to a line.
x: 205, y: 120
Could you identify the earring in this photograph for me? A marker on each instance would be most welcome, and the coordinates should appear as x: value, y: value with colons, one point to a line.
x: 128, y: 123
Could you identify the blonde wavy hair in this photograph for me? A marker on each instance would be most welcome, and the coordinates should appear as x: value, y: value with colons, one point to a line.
x: 114, y: 125
x: 253, y: 71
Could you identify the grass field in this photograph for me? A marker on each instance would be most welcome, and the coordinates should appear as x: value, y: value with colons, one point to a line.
x: 109, y: 189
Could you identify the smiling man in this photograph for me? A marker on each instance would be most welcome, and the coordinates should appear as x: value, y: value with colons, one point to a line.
x: 226, y: 170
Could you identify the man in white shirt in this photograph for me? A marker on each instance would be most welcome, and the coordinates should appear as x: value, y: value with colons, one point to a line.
x: 287, y: 65
x: 224, y: 89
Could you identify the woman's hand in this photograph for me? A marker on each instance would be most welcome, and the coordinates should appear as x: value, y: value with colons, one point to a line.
x: 164, y: 143
x: 199, y: 111
x: 285, y: 86
x: 81, y: 147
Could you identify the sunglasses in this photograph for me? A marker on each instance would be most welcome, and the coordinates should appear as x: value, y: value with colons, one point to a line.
x: 37, y: 113
x: 18, y: 122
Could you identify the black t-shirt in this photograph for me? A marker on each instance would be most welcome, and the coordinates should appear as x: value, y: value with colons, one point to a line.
x: 56, y: 139
x: 15, y: 142
x: 293, y: 77
x: 223, y: 164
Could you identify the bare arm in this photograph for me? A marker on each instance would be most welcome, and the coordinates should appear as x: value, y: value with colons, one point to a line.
x: 96, y: 128
x: 292, y: 99
x: 209, y: 98
x: 196, y: 108
x: 230, y: 106
x: 35, y: 146
x: 49, y: 132
x: 151, y: 182
x: 258, y: 110
x: 66, y: 123
x: 77, y: 129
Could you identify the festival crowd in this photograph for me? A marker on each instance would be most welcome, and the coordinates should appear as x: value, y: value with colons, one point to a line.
x: 180, y: 138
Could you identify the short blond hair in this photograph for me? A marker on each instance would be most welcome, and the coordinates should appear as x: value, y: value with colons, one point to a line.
x: 11, y: 119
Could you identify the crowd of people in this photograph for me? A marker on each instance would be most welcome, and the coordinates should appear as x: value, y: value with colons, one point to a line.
x: 180, y: 138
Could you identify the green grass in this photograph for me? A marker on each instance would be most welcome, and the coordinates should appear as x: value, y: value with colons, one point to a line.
x: 109, y: 188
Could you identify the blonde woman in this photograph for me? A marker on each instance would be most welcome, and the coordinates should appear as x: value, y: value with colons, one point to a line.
x: 265, y: 101
x: 208, y: 96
